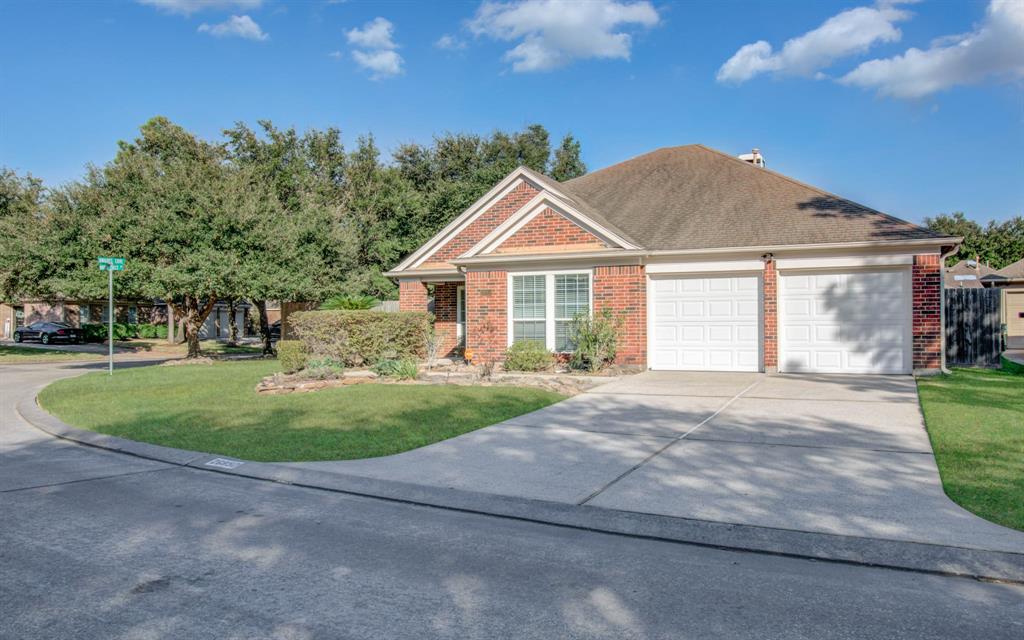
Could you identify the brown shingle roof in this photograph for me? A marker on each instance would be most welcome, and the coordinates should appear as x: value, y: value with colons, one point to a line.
x: 963, y: 269
x: 1014, y: 271
x: 693, y: 197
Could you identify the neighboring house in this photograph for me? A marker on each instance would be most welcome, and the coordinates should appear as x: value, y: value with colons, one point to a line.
x: 967, y: 274
x: 714, y: 263
x: 1011, y: 280
x: 77, y: 312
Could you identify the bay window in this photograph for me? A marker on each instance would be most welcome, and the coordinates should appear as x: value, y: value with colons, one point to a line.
x: 542, y: 307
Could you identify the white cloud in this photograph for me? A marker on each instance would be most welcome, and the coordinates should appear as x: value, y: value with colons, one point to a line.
x: 994, y: 50
x: 235, y: 26
x: 847, y: 33
x: 375, y: 34
x: 449, y: 43
x: 337, y: 55
x: 553, y: 33
x: 188, y: 7
x: 383, y: 63
x: 376, y: 48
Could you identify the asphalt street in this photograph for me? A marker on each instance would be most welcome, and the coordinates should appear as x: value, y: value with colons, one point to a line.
x: 96, y: 544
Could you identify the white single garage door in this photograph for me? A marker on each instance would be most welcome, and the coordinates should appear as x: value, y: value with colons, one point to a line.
x: 845, y: 322
x: 705, y: 323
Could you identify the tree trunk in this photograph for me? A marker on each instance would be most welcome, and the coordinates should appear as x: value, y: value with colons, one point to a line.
x: 268, y: 346
x: 232, y: 322
x: 170, y: 322
x: 193, y: 316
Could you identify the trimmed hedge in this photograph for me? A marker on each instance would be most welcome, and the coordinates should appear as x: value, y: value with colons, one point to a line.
x: 291, y: 355
x: 96, y: 332
x: 356, y: 338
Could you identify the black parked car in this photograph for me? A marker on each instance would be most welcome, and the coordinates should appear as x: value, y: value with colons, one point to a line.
x: 47, y: 332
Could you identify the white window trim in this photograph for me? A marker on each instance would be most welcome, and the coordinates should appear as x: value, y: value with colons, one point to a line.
x: 460, y: 312
x: 549, y: 300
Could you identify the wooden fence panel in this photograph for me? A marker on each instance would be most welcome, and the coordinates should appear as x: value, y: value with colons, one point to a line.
x: 973, y: 337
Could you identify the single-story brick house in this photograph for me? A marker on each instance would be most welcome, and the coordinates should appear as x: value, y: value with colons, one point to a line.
x: 714, y: 262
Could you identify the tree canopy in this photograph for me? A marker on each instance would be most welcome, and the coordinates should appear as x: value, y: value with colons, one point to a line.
x: 265, y: 214
x: 996, y: 244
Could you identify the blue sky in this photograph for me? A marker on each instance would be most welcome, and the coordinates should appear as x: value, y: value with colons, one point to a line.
x: 844, y: 107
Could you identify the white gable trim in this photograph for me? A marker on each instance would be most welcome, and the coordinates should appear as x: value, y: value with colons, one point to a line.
x: 537, y: 205
x: 478, y: 208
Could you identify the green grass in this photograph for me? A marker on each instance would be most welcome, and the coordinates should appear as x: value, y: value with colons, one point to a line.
x: 975, y: 419
x: 215, y: 409
x: 25, y: 355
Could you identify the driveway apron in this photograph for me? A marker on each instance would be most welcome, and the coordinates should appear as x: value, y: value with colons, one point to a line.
x: 835, y: 454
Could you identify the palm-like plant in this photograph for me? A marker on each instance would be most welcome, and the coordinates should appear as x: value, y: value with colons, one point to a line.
x: 349, y: 302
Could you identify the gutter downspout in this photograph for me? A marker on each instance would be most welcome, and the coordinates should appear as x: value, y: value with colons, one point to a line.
x: 942, y: 305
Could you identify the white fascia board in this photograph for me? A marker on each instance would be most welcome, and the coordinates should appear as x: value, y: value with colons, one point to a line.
x: 705, y: 266
x: 500, y: 190
x: 842, y: 262
x: 533, y: 208
x: 429, y: 276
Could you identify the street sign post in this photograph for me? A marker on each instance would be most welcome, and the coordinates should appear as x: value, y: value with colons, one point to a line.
x: 110, y: 265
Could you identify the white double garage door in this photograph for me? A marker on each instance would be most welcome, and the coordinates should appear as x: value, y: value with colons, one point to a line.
x: 828, y: 321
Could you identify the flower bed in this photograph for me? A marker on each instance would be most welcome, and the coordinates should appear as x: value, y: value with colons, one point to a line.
x: 452, y: 373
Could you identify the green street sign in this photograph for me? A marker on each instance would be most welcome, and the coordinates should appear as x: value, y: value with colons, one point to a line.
x: 111, y: 264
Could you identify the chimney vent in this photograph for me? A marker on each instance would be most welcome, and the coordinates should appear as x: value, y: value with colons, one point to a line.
x: 754, y: 157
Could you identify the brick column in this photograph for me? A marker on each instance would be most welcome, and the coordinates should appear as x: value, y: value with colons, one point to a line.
x: 624, y: 290
x: 446, y: 316
x: 927, y: 287
x: 412, y: 295
x: 486, y: 315
x: 771, y: 316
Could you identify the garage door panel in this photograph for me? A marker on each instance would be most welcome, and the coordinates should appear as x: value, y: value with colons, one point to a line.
x: 715, y: 323
x: 855, y: 322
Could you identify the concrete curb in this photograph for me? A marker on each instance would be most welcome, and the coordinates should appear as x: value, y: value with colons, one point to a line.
x: 893, y: 554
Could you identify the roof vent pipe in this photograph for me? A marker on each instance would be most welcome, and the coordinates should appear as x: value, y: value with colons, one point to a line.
x: 754, y: 157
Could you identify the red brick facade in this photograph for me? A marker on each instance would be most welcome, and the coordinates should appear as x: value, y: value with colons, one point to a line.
x: 486, y: 315
x: 553, y: 231
x: 771, y: 316
x: 624, y: 291
x: 495, y: 215
x: 445, y: 317
x: 927, y: 284
x: 412, y: 295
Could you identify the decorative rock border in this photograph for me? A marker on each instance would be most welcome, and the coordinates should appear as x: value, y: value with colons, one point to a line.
x: 565, y: 384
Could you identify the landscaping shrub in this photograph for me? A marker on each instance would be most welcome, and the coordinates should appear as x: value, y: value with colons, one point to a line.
x: 403, y: 369
x: 97, y: 332
x: 596, y: 339
x: 94, y: 332
x: 324, y: 368
x: 148, y: 331
x: 355, y: 338
x: 291, y: 355
x: 348, y: 303
x: 161, y: 331
x: 528, y: 356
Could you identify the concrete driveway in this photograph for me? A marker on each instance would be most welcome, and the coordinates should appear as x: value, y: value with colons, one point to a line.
x: 836, y: 454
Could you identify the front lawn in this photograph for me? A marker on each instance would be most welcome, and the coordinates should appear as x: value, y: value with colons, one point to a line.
x: 215, y: 409
x: 975, y: 419
x: 24, y: 355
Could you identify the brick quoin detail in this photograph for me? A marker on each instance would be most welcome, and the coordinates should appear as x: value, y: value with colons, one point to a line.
x: 624, y: 290
x: 549, y: 229
x: 927, y: 287
x: 486, y: 315
x: 771, y: 316
x: 446, y: 317
x: 412, y: 295
x: 495, y: 215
